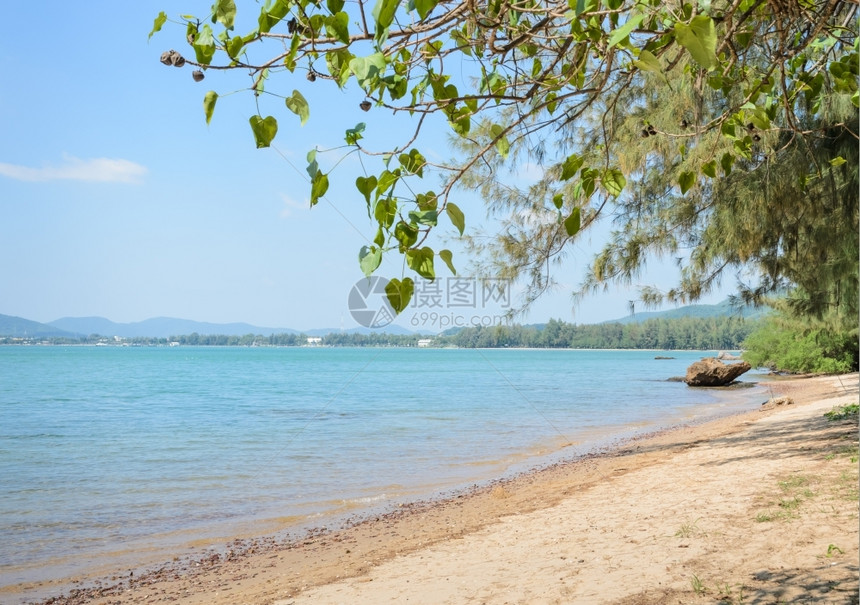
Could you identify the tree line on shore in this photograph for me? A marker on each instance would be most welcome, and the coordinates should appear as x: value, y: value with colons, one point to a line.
x: 678, y: 333
x: 774, y: 341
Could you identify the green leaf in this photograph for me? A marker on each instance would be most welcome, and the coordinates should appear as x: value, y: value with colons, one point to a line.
x: 726, y: 162
x: 385, y: 211
x: 427, y: 201
x: 399, y: 293
x: 686, y: 181
x: 204, y: 45
x: 648, y: 62
x: 353, y: 135
x: 421, y: 261
x: 369, y: 259
x: 367, y: 69
x: 424, y: 217
x: 160, y: 20
x: 366, y: 186
x: 838, y: 161
x: 458, y: 219
x: 699, y: 37
x: 572, y: 223
x: 405, y: 234
x: 386, y: 181
x: 613, y: 181
x: 413, y: 162
x: 502, y: 144
x: 587, y: 178
x: 319, y: 185
x: 424, y: 7
x: 760, y: 119
x: 334, y: 6
x: 299, y: 106
x: 447, y: 257
x: 234, y: 46
x: 570, y: 167
x: 313, y: 166
x: 338, y: 26
x: 271, y: 16
x: 290, y: 59
x: 710, y: 169
x: 558, y: 200
x: 209, y: 104
x: 460, y: 121
x: 338, y: 62
x: 624, y: 31
x: 581, y: 6
x: 383, y: 14
x: 224, y: 11
x: 264, y: 129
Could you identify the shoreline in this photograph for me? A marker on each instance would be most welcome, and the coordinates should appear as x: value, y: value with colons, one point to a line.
x: 266, y: 569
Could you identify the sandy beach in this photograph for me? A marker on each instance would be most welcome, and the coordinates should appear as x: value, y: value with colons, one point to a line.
x: 755, y: 508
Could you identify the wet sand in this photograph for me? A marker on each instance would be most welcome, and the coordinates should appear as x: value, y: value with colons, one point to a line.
x: 755, y: 508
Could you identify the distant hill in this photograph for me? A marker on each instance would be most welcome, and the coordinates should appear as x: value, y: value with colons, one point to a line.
x: 164, y: 327
x: 723, y: 309
x: 18, y: 327
x: 158, y: 327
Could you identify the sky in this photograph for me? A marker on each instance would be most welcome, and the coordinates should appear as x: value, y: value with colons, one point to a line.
x: 117, y: 200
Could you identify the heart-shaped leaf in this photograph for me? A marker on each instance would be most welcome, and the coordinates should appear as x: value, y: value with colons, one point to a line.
x: 399, y: 293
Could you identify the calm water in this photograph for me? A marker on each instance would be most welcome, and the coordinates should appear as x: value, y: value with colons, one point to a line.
x: 109, y: 451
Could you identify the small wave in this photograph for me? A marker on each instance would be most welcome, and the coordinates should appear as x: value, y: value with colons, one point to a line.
x: 366, y: 500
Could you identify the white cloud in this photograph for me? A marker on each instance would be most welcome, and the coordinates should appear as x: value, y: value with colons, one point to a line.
x: 97, y: 170
x: 291, y: 206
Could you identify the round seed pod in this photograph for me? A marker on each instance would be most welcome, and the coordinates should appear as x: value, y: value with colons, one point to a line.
x: 197, y: 75
x: 365, y: 105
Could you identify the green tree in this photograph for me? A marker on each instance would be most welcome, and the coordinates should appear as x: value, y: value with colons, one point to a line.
x: 564, y: 83
x: 787, y: 343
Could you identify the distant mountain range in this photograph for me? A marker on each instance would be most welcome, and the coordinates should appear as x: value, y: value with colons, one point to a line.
x: 164, y: 327
x: 157, y: 327
x: 723, y: 309
x: 18, y: 327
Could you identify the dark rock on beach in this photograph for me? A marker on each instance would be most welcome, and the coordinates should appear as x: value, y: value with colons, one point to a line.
x: 711, y: 372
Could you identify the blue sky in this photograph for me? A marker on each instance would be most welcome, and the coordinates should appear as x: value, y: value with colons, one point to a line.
x: 117, y: 200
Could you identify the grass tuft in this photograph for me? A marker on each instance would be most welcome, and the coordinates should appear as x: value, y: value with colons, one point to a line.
x: 688, y: 530
x: 843, y: 412
x: 698, y: 585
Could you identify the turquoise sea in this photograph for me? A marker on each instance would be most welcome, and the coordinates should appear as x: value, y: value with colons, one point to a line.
x: 115, y: 455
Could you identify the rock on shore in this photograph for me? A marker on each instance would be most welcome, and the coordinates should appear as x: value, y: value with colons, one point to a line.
x: 711, y: 372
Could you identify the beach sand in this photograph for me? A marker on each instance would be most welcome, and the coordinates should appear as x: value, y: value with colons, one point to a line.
x: 756, y: 508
